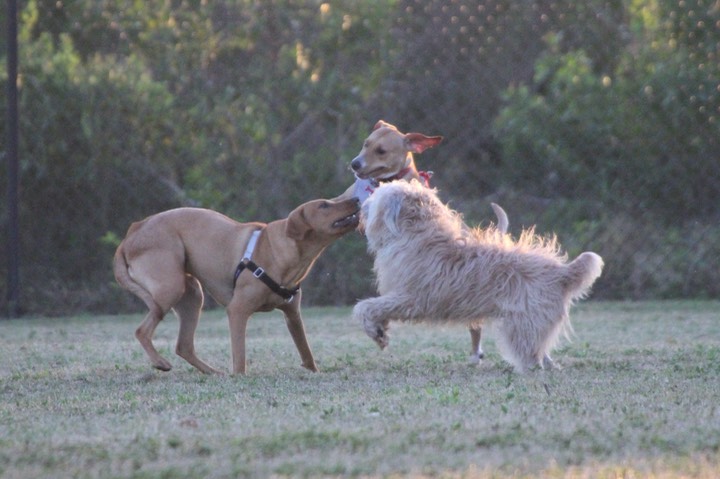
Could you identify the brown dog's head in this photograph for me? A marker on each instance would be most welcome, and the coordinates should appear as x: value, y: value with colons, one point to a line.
x: 324, y: 219
x: 387, y: 151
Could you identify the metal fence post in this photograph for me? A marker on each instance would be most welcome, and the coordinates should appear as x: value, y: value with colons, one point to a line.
x: 13, y: 233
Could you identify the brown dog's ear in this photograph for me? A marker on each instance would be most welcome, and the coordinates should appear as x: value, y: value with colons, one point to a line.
x: 297, y: 226
x: 417, y: 142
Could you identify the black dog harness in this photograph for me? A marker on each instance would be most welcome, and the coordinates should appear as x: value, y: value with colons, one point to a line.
x: 259, y: 273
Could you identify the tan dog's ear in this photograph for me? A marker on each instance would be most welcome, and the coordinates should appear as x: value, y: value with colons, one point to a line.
x: 417, y: 142
x: 381, y: 124
x: 297, y: 226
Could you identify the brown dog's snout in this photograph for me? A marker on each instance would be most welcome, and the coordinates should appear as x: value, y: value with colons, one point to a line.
x: 356, y: 205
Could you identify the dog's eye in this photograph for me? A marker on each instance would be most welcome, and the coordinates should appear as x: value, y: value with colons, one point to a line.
x: 380, y: 150
x: 324, y: 205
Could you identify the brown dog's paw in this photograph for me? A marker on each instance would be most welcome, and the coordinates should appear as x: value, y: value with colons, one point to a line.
x: 310, y: 367
x: 163, y: 365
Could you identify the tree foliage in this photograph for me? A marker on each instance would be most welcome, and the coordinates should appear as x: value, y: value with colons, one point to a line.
x: 585, y: 112
x: 647, y: 124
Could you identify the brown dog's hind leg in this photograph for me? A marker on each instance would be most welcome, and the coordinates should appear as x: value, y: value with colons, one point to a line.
x: 294, y: 322
x: 188, y: 312
x: 160, y: 284
x: 144, y: 334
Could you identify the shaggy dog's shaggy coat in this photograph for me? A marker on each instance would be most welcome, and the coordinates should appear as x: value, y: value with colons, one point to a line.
x: 430, y: 267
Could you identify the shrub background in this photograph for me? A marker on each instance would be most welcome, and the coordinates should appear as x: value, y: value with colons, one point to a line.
x: 597, y: 121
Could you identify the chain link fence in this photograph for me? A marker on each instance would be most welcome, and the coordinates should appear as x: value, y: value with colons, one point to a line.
x: 598, y: 121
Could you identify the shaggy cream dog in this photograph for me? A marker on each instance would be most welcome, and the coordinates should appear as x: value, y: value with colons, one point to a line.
x: 429, y: 267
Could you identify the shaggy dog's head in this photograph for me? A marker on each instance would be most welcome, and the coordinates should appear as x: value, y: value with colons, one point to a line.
x: 401, y: 209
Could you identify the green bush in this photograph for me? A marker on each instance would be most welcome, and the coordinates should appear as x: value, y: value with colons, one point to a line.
x: 629, y: 154
x: 597, y: 120
x: 643, y: 136
x: 94, y: 140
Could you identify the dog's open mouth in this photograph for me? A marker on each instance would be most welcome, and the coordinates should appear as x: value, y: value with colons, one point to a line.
x: 371, y: 174
x: 351, y: 220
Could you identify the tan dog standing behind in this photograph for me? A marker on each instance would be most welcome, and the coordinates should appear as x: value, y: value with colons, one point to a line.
x: 387, y: 155
x: 168, y: 258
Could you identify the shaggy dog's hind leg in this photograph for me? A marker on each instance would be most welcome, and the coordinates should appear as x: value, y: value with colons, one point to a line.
x: 519, y: 342
x: 548, y: 363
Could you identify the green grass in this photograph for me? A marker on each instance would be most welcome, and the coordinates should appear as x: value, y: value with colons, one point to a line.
x: 638, y: 396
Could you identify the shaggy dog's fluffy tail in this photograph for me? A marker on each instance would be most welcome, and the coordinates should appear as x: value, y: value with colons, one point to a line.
x: 582, y: 273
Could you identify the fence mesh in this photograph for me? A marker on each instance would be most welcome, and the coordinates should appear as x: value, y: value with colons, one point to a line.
x: 596, y: 120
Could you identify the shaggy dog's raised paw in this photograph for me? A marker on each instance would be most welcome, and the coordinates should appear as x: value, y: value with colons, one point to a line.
x: 377, y: 333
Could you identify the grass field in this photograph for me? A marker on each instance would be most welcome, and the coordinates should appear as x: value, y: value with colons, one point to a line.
x: 638, y: 396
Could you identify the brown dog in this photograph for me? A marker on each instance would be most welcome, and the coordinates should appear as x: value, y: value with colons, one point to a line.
x: 167, y: 258
x: 387, y: 155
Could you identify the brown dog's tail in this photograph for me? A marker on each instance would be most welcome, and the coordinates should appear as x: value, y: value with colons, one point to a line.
x: 122, y: 276
x: 582, y: 273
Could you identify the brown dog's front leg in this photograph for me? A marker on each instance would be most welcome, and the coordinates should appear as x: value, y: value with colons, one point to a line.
x: 188, y: 311
x: 294, y: 322
x: 238, y: 320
